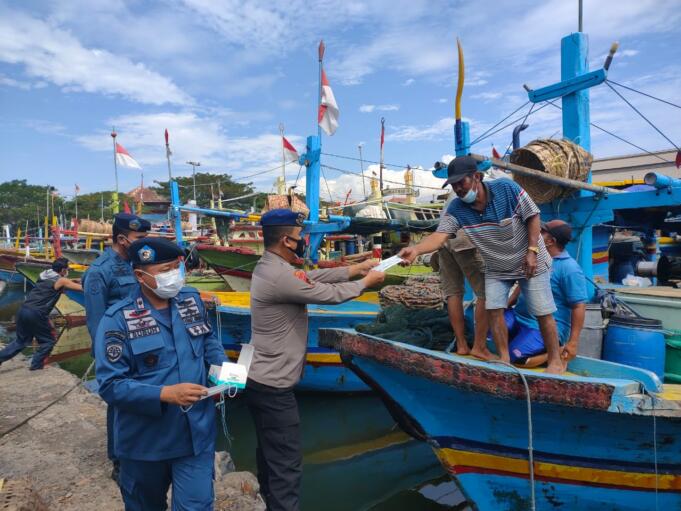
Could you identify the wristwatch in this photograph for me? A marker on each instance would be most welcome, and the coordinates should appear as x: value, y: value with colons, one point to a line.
x: 534, y: 249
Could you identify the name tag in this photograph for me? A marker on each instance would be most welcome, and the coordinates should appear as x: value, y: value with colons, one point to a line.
x: 140, y: 323
x: 189, y: 311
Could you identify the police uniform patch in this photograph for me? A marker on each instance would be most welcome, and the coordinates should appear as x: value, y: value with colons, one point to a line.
x: 300, y: 274
x: 140, y: 323
x: 146, y: 254
x: 93, y: 287
x: 189, y: 311
x: 114, y: 334
x: 150, y: 360
x: 114, y: 351
x: 134, y: 224
x: 200, y: 329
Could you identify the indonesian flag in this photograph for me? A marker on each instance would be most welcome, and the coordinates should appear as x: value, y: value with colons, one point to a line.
x: 124, y: 159
x: 290, y: 153
x: 328, y: 109
x: 495, y: 153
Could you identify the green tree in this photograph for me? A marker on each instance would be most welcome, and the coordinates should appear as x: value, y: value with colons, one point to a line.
x: 90, y: 205
x: 224, y: 182
x: 21, y: 202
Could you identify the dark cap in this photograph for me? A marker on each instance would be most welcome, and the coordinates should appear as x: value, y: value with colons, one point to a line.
x: 558, y: 229
x: 282, y: 217
x: 128, y: 222
x: 459, y: 168
x: 153, y: 251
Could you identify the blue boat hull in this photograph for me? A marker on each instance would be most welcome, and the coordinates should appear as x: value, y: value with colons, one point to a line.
x: 587, y: 455
x: 324, y: 370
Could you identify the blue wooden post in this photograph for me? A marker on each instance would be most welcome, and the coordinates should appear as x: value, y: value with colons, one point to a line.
x: 312, y: 174
x: 462, y: 138
x: 175, y: 207
x: 574, y: 50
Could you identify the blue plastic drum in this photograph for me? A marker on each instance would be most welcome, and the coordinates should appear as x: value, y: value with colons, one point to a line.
x: 637, y: 342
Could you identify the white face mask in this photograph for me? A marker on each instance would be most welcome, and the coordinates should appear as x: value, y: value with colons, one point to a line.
x: 169, y: 283
x: 471, y: 195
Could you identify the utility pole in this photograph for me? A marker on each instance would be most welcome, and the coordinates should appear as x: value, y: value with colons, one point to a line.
x: 194, y: 164
x: 361, y: 166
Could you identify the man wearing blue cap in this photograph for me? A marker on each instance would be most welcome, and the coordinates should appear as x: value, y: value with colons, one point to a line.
x: 279, y: 297
x: 108, y: 280
x: 503, y: 222
x: 153, y: 350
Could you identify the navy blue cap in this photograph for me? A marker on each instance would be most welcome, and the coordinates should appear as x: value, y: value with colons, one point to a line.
x: 129, y: 222
x: 153, y: 251
x: 460, y: 167
x: 282, y: 217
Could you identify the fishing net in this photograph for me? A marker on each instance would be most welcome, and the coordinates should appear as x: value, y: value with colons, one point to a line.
x: 428, y: 328
x: 417, y: 292
x: 560, y: 158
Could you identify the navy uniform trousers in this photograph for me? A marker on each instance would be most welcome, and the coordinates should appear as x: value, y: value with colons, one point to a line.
x: 279, y: 456
x: 31, y: 323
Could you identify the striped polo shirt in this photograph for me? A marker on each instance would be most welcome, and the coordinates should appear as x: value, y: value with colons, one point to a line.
x: 499, y: 232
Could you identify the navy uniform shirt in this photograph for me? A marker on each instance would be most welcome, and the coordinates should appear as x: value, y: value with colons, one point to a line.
x: 139, y: 350
x: 108, y: 280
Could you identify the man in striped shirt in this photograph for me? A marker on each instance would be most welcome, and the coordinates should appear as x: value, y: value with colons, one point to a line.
x: 503, y: 223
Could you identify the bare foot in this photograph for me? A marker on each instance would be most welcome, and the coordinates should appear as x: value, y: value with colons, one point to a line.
x: 463, y: 350
x: 555, y: 368
x: 483, y: 354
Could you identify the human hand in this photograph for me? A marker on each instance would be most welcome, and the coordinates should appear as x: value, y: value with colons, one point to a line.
x: 373, y: 278
x: 182, y: 394
x: 408, y: 254
x: 530, y: 265
x: 569, y: 351
x: 361, y: 269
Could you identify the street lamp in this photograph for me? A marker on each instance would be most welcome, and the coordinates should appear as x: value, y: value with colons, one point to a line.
x: 194, y: 164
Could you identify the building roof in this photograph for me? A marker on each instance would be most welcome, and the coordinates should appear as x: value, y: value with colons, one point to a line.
x: 147, y: 195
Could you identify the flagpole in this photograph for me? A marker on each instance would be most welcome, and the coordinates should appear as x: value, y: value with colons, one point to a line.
x: 168, y: 153
x: 319, y: 101
x: 361, y: 166
x: 114, y: 196
x: 282, y: 189
x: 380, y: 176
x: 76, y: 190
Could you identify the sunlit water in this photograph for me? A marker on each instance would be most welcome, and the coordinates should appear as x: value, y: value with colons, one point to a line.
x: 355, y: 457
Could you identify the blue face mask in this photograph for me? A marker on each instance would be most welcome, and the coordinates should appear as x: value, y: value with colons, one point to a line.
x: 471, y: 195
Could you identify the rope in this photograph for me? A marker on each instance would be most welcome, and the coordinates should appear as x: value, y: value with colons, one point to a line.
x: 364, y: 160
x: 524, y: 120
x: 530, y: 448
x: 514, y: 121
x: 620, y: 138
x: 497, y: 124
x: 343, y: 171
x: 327, y: 184
x: 643, y: 116
x: 644, y: 94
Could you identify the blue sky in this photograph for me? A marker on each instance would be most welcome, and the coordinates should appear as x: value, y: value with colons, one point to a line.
x: 221, y: 75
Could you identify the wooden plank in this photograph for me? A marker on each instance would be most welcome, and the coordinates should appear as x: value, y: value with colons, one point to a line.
x: 661, y: 291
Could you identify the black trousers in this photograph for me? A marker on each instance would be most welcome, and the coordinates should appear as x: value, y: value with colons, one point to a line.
x: 279, y: 454
x: 31, y: 323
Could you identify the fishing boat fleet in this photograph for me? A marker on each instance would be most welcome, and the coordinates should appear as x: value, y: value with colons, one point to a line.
x: 606, y: 434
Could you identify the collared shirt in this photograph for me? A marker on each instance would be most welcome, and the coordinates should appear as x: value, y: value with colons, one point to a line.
x: 499, y: 231
x: 568, y: 286
x: 279, y: 294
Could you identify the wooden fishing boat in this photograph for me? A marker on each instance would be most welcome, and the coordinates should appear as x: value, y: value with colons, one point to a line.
x: 324, y: 371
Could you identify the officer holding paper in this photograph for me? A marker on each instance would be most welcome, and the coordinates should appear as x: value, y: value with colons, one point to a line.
x: 279, y: 295
x: 153, y: 350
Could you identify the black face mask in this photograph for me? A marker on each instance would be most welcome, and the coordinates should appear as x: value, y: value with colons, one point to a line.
x: 300, y: 246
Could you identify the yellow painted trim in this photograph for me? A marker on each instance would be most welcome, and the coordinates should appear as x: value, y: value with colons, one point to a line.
x: 344, y: 452
x: 625, y: 182
x: 243, y: 298
x: 598, y: 255
x: 450, y: 458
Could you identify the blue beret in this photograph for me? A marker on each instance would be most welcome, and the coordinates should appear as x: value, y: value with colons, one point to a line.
x: 282, y: 217
x: 130, y: 222
x: 153, y: 251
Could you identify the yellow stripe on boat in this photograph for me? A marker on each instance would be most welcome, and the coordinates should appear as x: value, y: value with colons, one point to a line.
x: 242, y: 299
x: 451, y: 458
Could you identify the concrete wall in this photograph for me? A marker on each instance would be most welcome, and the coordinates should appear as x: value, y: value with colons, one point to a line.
x: 633, y: 167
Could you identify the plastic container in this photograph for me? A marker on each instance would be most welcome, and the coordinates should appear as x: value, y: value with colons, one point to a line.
x: 672, y: 365
x: 635, y: 341
x: 591, y: 338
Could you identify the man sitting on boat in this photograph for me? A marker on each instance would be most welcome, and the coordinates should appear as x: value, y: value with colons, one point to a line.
x: 503, y: 222
x: 568, y: 286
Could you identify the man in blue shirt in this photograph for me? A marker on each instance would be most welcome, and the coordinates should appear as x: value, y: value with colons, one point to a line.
x: 153, y: 351
x: 109, y: 280
x: 568, y: 286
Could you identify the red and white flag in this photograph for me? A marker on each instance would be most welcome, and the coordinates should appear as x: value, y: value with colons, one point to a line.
x: 124, y: 159
x: 495, y: 153
x: 290, y: 153
x: 328, y: 109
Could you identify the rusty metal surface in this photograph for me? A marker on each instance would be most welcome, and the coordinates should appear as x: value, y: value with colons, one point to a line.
x: 596, y: 396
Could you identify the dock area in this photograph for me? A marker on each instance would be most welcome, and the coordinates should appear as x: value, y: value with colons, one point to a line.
x: 53, y: 447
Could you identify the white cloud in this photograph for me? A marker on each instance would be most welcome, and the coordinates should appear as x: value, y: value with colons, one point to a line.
x: 367, y: 109
x: 487, y: 96
x: 19, y: 84
x: 45, y: 127
x: 437, y: 131
x: 55, y: 55
x: 408, y: 82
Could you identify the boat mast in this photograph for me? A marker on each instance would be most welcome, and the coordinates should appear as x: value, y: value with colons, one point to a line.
x: 114, y: 195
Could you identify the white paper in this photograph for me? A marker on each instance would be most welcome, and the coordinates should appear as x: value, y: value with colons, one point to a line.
x: 387, y: 263
x: 216, y: 390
